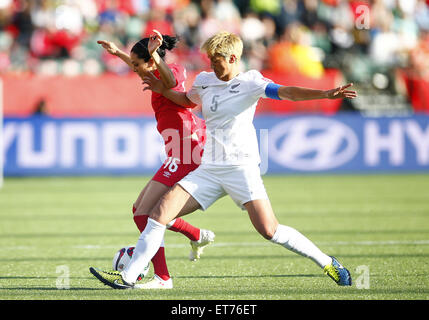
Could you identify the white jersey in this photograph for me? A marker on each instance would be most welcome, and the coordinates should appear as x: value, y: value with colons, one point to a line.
x: 228, y: 108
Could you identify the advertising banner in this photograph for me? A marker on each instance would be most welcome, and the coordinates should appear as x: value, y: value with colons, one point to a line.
x: 41, y: 145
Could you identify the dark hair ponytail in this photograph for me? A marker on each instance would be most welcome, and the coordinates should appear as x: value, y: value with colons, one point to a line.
x: 140, y: 48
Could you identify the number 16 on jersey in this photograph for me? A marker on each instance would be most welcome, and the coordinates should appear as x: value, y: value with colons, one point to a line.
x: 171, y: 163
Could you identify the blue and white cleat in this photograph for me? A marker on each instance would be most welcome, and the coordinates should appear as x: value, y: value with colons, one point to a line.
x: 338, y: 273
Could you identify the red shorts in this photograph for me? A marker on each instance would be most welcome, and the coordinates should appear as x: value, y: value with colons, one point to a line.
x: 173, y: 171
x: 184, y: 153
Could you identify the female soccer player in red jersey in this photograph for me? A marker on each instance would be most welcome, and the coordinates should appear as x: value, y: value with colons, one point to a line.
x: 184, y: 137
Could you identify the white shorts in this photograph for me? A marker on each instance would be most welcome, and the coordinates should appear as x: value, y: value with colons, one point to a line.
x: 206, y: 184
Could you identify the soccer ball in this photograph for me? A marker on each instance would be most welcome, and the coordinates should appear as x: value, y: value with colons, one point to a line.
x: 121, y: 259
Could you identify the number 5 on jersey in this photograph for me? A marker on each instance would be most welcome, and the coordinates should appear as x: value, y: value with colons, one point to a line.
x: 214, y: 105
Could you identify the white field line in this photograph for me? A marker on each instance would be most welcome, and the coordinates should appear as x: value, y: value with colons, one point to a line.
x: 245, y: 244
x: 267, y: 243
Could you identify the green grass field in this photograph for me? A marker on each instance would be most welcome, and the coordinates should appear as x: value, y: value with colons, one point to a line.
x: 376, y: 225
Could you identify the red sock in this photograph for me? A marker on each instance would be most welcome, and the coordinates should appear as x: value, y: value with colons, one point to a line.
x: 160, y: 264
x: 141, y: 222
x: 158, y: 260
x: 187, y: 229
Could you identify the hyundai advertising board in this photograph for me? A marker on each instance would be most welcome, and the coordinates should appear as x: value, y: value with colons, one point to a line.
x: 293, y: 144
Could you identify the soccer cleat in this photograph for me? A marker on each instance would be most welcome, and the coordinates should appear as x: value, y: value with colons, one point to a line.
x: 338, y: 273
x: 111, y: 278
x: 155, y: 283
x: 197, y: 247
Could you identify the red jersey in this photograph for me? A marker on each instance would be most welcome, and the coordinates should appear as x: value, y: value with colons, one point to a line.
x: 183, y: 133
x: 170, y: 115
x: 160, y: 104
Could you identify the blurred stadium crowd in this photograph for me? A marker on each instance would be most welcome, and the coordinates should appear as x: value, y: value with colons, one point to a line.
x: 301, y: 36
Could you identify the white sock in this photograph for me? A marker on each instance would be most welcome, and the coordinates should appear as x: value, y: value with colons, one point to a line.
x: 148, y: 244
x: 293, y: 240
x: 170, y: 223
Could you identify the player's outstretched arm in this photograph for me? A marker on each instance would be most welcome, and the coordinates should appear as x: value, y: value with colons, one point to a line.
x: 299, y: 94
x: 114, y: 50
x: 150, y: 82
x: 166, y: 75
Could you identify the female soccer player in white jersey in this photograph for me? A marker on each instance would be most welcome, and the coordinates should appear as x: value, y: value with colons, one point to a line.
x: 230, y: 163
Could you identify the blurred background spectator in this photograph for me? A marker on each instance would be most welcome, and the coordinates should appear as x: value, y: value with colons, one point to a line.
x: 368, y: 41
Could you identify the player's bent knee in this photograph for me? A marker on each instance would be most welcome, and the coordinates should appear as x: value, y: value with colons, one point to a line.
x: 159, y: 214
x: 139, y: 211
x: 136, y: 214
x: 155, y: 214
x: 267, y: 232
x: 168, y: 206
